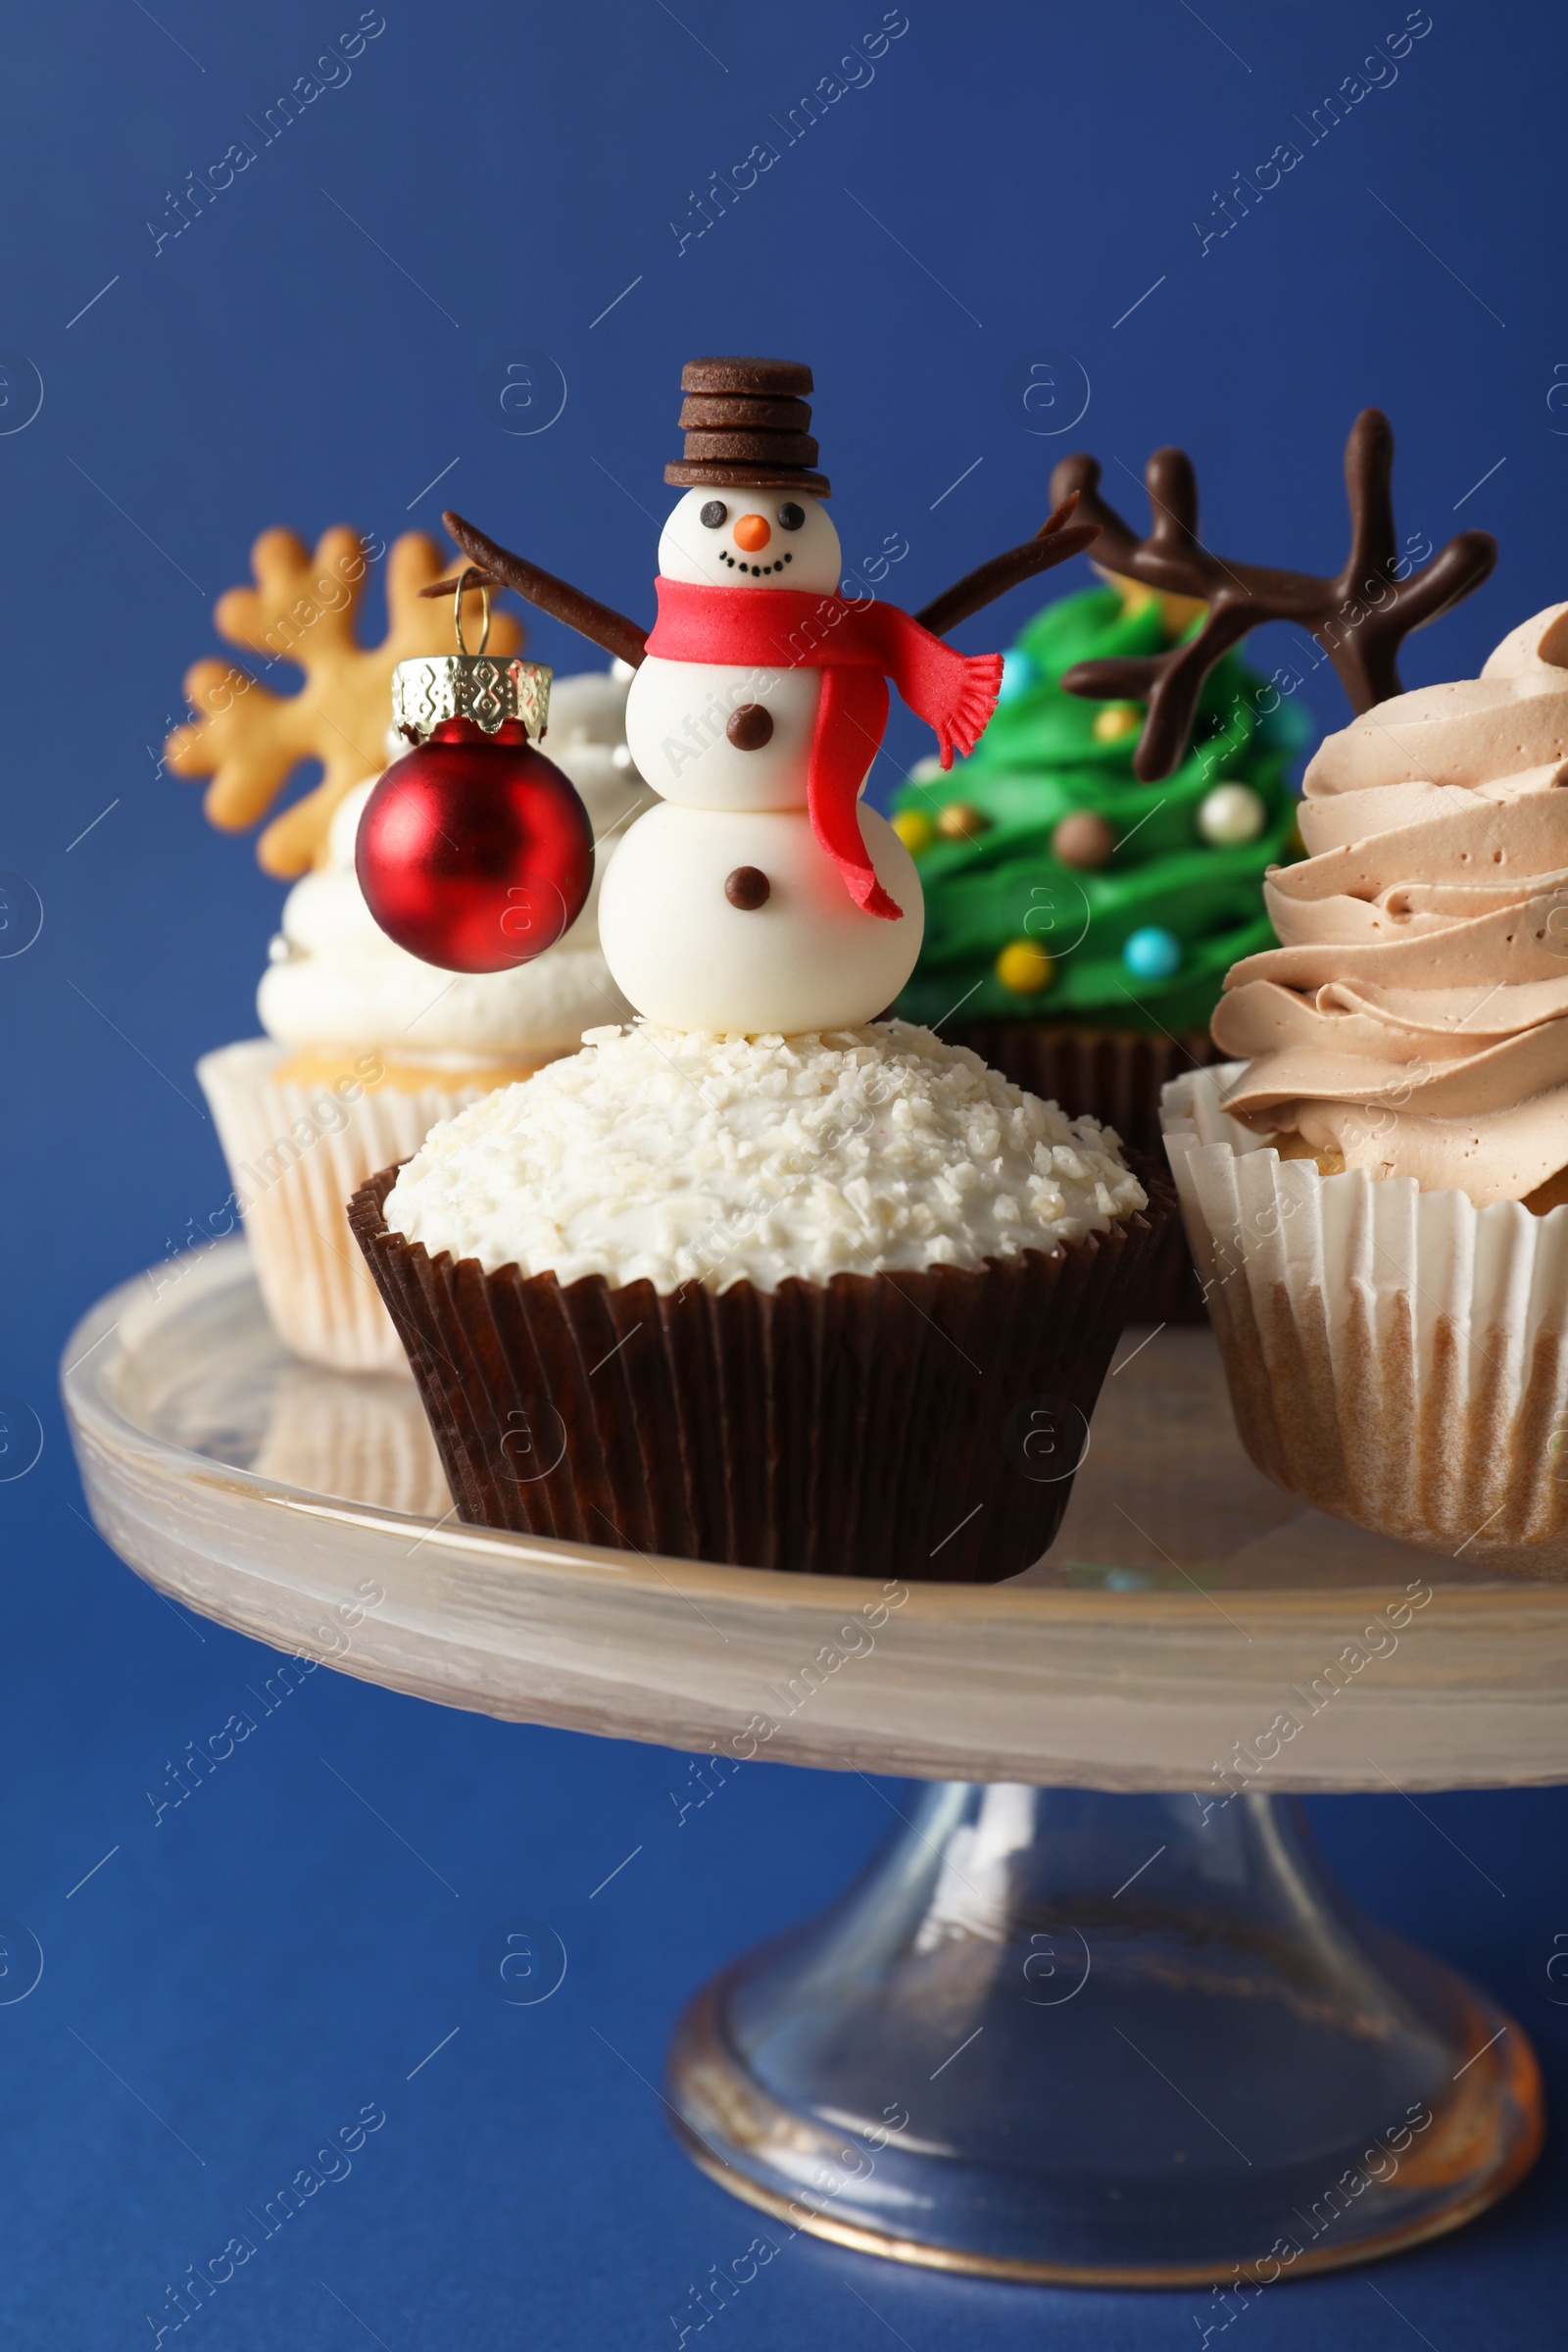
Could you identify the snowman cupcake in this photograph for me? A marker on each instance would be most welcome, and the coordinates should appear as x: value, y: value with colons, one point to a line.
x: 758, y: 1278
x: 365, y: 1049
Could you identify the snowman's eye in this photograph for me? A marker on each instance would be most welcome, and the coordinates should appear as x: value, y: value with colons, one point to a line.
x: 790, y: 516
x: 714, y: 514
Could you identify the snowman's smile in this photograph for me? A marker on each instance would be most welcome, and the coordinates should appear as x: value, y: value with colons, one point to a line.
x: 756, y: 570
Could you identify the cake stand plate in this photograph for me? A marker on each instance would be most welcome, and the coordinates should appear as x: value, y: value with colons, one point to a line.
x: 1096, y: 2013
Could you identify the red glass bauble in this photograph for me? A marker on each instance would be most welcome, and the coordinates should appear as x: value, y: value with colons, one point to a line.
x: 474, y: 852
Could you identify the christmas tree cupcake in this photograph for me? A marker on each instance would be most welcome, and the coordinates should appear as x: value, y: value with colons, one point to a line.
x: 1069, y: 905
x: 1079, y: 920
x: 364, y: 1049
x: 758, y: 1278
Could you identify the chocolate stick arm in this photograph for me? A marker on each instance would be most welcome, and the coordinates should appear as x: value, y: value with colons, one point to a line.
x: 1051, y: 545
x: 600, y: 623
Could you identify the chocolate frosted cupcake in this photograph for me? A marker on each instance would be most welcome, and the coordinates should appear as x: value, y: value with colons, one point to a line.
x: 1079, y: 922
x: 839, y: 1303
x: 1375, y: 1191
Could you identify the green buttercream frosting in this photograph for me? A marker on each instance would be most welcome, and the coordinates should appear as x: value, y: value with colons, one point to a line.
x: 1039, y: 762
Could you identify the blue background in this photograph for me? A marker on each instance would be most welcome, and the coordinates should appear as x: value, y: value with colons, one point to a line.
x: 1010, y: 184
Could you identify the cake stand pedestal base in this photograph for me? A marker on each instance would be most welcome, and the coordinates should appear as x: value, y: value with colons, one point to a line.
x: 1105, y: 2040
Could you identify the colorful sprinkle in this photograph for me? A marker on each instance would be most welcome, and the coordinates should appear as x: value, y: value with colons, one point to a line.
x: 1116, y: 721
x: 915, y: 829
x: 1082, y: 839
x: 1153, y: 954
x: 1024, y: 969
x: 1231, y: 815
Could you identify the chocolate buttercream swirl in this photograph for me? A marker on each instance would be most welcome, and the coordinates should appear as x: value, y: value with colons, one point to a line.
x: 1414, y: 1016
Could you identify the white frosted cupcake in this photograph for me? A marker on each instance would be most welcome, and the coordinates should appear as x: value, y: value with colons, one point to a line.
x: 1374, y: 1193
x: 837, y: 1303
x: 367, y: 1049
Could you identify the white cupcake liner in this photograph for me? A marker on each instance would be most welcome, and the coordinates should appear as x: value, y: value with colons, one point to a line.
x: 295, y: 1153
x: 1396, y: 1357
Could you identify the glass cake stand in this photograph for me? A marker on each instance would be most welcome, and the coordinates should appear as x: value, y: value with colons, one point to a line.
x: 1096, y: 2013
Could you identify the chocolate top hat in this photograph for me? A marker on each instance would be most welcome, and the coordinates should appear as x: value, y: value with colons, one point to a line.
x: 747, y: 427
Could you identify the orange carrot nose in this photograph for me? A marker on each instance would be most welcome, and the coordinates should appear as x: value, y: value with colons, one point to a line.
x: 752, y: 532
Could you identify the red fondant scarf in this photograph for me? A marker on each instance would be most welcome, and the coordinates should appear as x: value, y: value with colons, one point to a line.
x: 859, y: 647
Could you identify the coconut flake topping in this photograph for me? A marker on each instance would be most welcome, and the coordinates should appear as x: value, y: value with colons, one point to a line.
x: 672, y: 1157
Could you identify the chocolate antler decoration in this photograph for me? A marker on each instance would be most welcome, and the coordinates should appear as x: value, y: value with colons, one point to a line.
x: 1051, y: 545
x: 1364, y: 648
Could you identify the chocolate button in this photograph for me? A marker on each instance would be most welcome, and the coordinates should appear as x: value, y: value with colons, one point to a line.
x: 748, y: 888
x: 1082, y: 839
x: 748, y: 728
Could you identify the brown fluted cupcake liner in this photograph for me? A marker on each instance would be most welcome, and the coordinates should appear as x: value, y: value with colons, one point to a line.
x: 1115, y: 1076
x: 918, y: 1425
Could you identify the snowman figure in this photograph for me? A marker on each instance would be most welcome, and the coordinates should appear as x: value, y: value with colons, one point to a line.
x: 760, y: 894
x: 725, y: 910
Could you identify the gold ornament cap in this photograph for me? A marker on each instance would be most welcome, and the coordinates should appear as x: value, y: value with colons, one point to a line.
x: 483, y: 688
